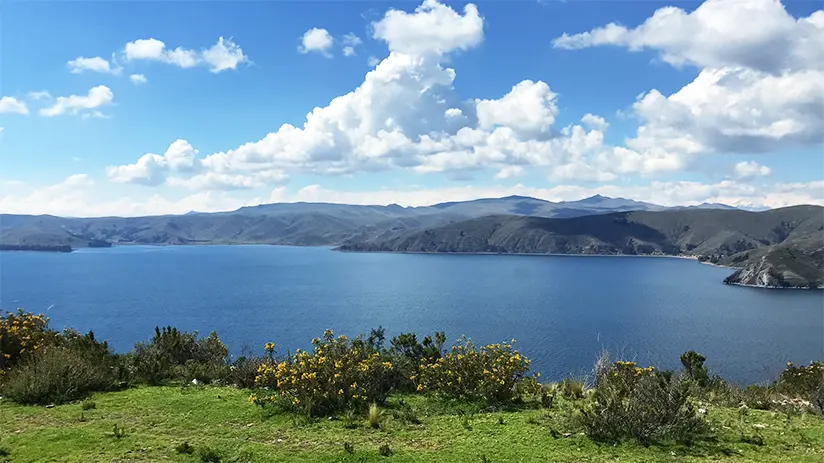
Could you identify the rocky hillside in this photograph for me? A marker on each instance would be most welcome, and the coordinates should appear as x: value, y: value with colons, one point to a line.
x: 784, y: 241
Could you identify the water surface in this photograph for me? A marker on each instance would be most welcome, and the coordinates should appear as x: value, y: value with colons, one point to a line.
x: 562, y: 310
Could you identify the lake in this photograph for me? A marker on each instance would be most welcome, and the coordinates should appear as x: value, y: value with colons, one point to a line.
x: 563, y: 310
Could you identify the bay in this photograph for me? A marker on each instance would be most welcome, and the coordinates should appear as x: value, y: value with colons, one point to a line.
x: 563, y: 310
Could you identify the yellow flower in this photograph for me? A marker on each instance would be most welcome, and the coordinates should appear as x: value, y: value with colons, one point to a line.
x: 252, y: 398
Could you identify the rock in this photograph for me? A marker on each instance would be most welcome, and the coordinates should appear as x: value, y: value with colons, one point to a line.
x: 196, y: 382
x: 759, y: 426
x: 50, y: 406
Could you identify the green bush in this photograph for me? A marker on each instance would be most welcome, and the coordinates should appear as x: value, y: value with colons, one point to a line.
x: 243, y: 371
x: 489, y: 373
x: 57, y: 375
x: 338, y: 374
x: 638, y: 403
x: 173, y: 354
x: 801, y: 381
x: 694, y: 368
x: 573, y: 389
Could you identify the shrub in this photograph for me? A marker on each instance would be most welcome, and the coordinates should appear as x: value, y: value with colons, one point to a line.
x: 374, y: 416
x: 88, y: 405
x: 385, y: 451
x: 802, y: 380
x: 572, y: 389
x: 639, y: 403
x: 184, y: 448
x: 57, y: 375
x: 209, y: 455
x: 244, y: 370
x: 489, y: 373
x: 337, y: 375
x: 175, y: 354
x: 694, y: 368
x: 22, y: 333
x: 118, y: 431
x: 349, y: 448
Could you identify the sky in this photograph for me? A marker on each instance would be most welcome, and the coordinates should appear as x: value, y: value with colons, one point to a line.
x: 144, y: 108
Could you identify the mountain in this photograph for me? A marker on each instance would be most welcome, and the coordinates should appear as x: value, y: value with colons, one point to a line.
x: 289, y: 223
x: 728, y: 237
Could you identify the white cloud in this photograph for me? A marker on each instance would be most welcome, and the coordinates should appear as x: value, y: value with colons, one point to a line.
x: 11, y: 105
x: 316, y: 40
x: 509, y: 172
x: 81, y: 105
x: 747, y: 170
x: 96, y: 64
x: 761, y: 87
x: 372, y: 61
x: 223, y: 55
x: 407, y: 115
x: 40, y: 95
x: 151, y: 169
x: 432, y: 28
x: 350, y: 42
x: 79, y: 196
x: 755, y: 34
x: 594, y: 122
x: 138, y: 79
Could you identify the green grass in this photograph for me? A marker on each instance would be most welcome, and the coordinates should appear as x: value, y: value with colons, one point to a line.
x: 156, y: 420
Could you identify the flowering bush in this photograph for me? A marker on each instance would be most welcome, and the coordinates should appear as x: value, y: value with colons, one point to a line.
x: 337, y: 374
x: 804, y: 379
x: 489, y: 373
x: 22, y: 332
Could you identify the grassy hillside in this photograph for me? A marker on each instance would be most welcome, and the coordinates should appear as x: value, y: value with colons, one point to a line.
x: 157, y: 419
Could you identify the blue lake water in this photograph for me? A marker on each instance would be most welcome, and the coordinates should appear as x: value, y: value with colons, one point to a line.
x: 562, y: 310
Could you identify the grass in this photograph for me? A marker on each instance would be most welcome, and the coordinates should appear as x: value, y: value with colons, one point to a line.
x: 220, y: 421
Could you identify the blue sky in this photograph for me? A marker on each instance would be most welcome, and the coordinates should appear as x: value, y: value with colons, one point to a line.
x: 676, y: 103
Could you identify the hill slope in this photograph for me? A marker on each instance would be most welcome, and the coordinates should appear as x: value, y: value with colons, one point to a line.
x: 788, y: 239
x: 287, y: 223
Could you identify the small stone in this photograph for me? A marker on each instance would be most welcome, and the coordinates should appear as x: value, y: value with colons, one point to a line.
x: 250, y: 425
x: 759, y: 426
x: 567, y: 434
x: 50, y: 406
x: 279, y: 441
x: 196, y: 382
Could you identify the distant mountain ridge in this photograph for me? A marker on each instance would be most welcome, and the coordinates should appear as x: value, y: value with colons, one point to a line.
x: 288, y: 223
x: 779, y: 247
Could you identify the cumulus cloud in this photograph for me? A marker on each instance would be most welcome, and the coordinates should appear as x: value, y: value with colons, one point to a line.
x: 748, y: 170
x: 761, y: 86
x: 151, y: 169
x: 80, y: 196
x: 350, y: 41
x: 96, y: 64
x: 316, y: 40
x: 11, y: 105
x: 407, y: 115
x: 138, y: 79
x: 432, y: 28
x: 221, y: 56
x: 84, y: 105
x: 372, y: 61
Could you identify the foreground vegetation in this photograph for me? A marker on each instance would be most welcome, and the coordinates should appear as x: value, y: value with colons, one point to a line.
x: 177, y: 397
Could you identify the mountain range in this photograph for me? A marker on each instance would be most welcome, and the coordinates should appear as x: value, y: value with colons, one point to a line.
x: 780, y: 247
x: 288, y: 223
